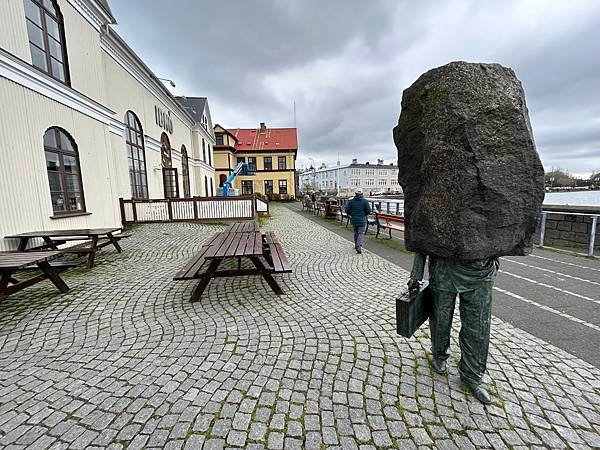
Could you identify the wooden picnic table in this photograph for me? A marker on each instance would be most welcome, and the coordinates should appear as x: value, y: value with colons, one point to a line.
x: 243, y: 227
x: 242, y: 240
x: 98, y: 238
x: 11, y: 262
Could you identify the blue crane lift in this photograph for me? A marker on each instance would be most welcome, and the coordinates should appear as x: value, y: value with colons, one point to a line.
x: 241, y: 169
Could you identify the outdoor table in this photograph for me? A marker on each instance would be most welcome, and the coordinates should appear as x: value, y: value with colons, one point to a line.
x: 13, y: 262
x: 243, y: 227
x: 241, y: 240
x: 55, y: 238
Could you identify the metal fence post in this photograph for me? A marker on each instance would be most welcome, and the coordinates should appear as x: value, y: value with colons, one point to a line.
x: 543, y: 228
x: 593, y: 236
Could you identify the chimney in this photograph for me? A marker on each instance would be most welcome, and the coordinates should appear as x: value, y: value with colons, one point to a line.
x: 380, y: 162
x: 355, y: 161
x: 263, y: 127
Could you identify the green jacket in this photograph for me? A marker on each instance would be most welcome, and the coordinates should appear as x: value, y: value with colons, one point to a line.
x: 358, y: 209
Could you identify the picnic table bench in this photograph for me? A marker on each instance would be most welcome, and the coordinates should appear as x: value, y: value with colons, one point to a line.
x: 94, y: 239
x: 389, y: 222
x: 237, y: 242
x: 307, y: 204
x: 319, y: 207
x: 12, y: 262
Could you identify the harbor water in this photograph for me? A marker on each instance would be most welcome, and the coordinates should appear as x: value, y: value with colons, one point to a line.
x: 580, y: 198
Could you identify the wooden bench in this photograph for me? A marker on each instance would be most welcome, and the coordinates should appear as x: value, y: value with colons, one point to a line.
x: 92, y: 239
x: 12, y: 263
x: 307, y: 204
x: 389, y: 222
x: 264, y: 251
x: 337, y: 210
x: 319, y: 207
x: 273, y: 253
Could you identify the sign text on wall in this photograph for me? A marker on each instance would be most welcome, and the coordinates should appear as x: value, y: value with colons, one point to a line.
x: 163, y: 119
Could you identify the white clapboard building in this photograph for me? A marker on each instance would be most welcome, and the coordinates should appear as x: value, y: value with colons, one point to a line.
x: 84, y: 122
x: 344, y: 179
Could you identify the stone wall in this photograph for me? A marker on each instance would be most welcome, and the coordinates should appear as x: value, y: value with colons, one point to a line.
x: 569, y: 230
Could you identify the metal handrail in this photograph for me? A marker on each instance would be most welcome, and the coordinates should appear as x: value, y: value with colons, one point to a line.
x: 591, y: 242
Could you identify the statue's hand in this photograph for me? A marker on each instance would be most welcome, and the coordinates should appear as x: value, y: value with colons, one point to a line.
x: 414, y: 286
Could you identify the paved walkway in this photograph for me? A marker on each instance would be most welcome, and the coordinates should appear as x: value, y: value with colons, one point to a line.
x: 125, y: 361
x: 553, y: 296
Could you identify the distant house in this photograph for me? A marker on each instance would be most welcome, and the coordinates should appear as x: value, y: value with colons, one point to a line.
x: 271, y: 151
x: 344, y: 179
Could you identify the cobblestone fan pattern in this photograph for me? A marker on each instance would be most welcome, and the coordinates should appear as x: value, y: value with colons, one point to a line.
x: 124, y: 360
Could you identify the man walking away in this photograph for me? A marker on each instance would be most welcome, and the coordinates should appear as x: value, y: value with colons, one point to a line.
x: 358, y: 209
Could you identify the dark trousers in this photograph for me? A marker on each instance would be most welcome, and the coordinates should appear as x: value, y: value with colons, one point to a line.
x: 359, y: 235
x: 474, y: 337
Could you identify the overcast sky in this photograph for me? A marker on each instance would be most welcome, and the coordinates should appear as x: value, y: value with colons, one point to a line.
x: 346, y: 62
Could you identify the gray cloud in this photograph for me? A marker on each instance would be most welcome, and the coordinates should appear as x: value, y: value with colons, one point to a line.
x: 346, y: 62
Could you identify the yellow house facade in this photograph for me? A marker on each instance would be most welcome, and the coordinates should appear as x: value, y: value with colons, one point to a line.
x: 271, y: 152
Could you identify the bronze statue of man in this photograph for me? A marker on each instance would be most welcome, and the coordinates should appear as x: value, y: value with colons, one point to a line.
x: 473, y: 187
x: 473, y: 281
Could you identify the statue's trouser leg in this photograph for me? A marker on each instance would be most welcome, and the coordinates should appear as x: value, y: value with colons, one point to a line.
x: 475, y: 316
x: 440, y: 323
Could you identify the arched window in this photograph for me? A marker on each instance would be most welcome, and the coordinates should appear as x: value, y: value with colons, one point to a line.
x: 205, y: 186
x: 185, y: 172
x: 222, y: 179
x: 165, y: 150
x: 136, y: 154
x: 170, y: 178
x: 64, y: 174
x: 212, y: 187
x: 203, y: 151
x: 46, y: 33
x: 209, y: 157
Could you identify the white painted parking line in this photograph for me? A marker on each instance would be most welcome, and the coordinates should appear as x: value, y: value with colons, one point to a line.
x: 579, y: 266
x: 553, y: 272
x: 547, y: 308
x: 539, y: 283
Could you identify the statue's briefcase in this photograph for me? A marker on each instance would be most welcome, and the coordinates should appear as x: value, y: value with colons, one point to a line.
x: 413, y: 310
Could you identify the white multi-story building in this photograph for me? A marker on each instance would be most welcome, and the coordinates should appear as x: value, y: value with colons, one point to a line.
x: 344, y: 179
x: 84, y: 122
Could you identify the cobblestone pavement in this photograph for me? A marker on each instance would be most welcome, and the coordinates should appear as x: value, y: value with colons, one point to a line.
x: 124, y: 360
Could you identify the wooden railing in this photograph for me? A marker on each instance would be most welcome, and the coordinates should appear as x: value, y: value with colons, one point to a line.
x: 199, y: 208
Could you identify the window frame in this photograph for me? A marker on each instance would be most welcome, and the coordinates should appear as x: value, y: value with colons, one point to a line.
x: 279, y: 160
x: 269, y: 187
x: 166, y: 153
x: 285, y: 183
x: 61, y: 153
x: 135, y: 193
x: 57, y: 16
x: 245, y: 184
x: 270, y: 166
x: 167, y: 187
x: 185, y: 172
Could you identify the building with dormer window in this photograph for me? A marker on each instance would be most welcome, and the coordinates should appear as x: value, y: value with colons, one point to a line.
x: 271, y: 152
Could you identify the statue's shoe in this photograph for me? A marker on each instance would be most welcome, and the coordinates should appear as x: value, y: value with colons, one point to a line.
x: 480, y: 392
x: 439, y: 366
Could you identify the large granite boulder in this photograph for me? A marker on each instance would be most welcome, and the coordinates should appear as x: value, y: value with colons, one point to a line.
x: 472, y: 178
